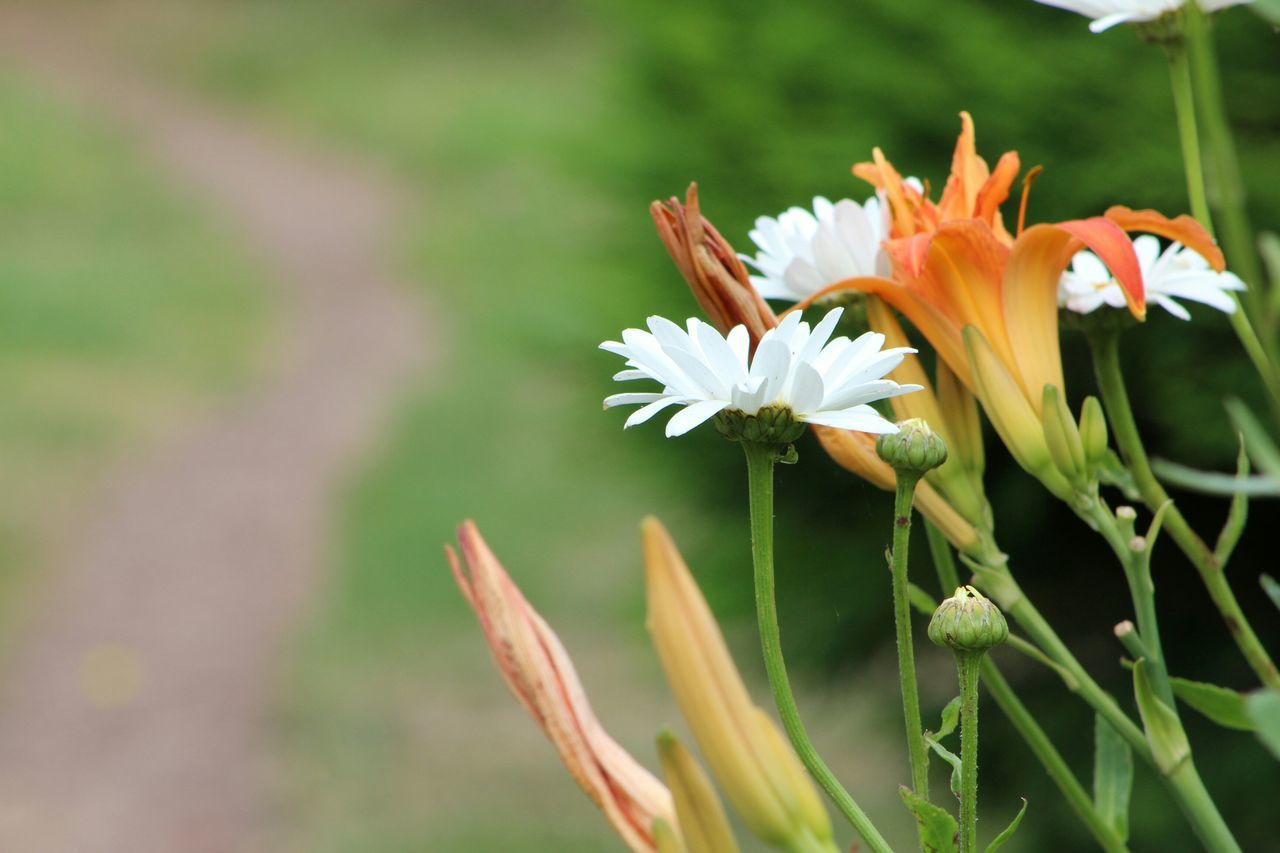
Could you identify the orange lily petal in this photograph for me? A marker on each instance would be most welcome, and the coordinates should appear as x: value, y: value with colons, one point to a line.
x: 1183, y: 229
x: 1114, y: 248
x: 968, y: 173
x: 964, y: 277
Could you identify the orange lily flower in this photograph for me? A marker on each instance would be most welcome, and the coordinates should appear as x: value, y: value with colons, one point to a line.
x: 986, y: 299
x: 723, y: 288
x: 539, y: 672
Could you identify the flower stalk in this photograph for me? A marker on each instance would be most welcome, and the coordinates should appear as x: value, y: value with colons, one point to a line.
x: 1105, y: 349
x: 1024, y: 721
x: 760, y: 462
x: 969, y: 624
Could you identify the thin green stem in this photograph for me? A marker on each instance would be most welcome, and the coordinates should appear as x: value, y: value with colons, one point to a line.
x: 1184, y: 102
x: 1105, y: 349
x: 760, y: 461
x: 967, y: 664
x: 1206, y: 820
x: 1052, y: 761
x: 1224, y: 184
x: 916, y: 746
x: 1023, y: 720
x: 1188, y: 133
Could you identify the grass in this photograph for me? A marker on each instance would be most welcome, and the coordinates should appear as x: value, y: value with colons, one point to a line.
x: 122, y: 310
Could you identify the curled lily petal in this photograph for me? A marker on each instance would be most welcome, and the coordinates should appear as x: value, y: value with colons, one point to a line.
x: 1182, y: 229
x: 539, y: 672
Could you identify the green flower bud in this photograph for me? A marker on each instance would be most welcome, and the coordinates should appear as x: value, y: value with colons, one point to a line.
x: 770, y: 425
x: 1093, y: 434
x: 968, y: 622
x: 915, y: 447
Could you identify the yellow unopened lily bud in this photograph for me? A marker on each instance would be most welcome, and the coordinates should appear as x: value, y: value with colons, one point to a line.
x: 1012, y: 415
x: 703, y: 823
x: 768, y: 788
x: 666, y: 839
x: 1063, y: 438
x: 1093, y: 434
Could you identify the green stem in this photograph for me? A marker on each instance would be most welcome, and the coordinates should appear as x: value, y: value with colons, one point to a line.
x: 1054, y: 764
x: 1225, y: 187
x: 916, y: 746
x: 1184, y: 105
x: 1206, y: 820
x: 1188, y: 134
x: 1105, y: 349
x: 1023, y: 720
x: 760, y: 460
x: 967, y: 664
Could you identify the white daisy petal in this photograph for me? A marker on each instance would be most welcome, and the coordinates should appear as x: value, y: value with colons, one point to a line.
x: 1109, y: 13
x: 818, y: 379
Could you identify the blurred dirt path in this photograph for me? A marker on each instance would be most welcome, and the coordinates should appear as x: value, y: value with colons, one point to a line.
x: 134, y: 714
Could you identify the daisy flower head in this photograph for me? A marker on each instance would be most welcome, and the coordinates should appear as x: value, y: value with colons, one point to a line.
x: 1108, y: 13
x: 803, y: 251
x: 1175, y: 272
x: 797, y: 376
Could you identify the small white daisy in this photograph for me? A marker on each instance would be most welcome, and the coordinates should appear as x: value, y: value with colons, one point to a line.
x: 1176, y: 271
x: 820, y: 380
x: 1108, y: 13
x: 802, y: 252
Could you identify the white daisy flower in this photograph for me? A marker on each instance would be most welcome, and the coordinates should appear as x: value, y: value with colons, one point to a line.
x: 802, y: 252
x: 1108, y: 13
x: 818, y: 379
x: 1176, y: 271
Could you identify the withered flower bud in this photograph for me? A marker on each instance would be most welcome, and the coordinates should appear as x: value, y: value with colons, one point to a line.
x: 716, y: 275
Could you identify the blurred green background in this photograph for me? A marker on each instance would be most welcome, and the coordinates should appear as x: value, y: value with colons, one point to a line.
x: 533, y: 135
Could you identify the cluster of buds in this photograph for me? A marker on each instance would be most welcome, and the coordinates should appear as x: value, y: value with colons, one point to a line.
x: 747, y: 754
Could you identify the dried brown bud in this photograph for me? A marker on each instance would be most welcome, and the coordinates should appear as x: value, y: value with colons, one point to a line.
x: 716, y: 275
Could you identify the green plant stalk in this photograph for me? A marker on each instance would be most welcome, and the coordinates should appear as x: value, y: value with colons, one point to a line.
x: 1225, y: 186
x: 916, y: 747
x: 1184, y: 780
x: 1054, y: 764
x: 760, y: 461
x: 1024, y: 722
x: 1188, y: 134
x: 967, y: 664
x: 1105, y: 348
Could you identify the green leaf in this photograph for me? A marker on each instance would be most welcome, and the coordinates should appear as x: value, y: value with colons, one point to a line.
x: 999, y: 840
x: 949, y: 757
x: 950, y: 718
x: 939, y: 832
x: 922, y: 601
x: 1220, y: 704
x: 1261, y: 448
x: 1112, y: 776
x: 1263, y: 708
x: 1215, y: 482
x: 1168, y: 741
x: 1271, y: 588
x: 1233, y: 527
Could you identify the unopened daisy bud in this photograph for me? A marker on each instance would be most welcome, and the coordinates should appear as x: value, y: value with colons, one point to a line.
x: 1093, y: 434
x: 914, y: 448
x: 968, y: 622
x: 703, y: 824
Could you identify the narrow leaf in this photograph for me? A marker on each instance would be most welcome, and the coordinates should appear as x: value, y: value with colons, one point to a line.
x: 1168, y: 741
x: 1233, y: 527
x: 1112, y: 776
x: 1220, y: 704
x: 950, y: 718
x: 1261, y: 448
x: 1215, y: 482
x: 999, y: 840
x: 949, y: 757
x: 939, y: 832
x: 922, y: 601
x: 1271, y: 588
x: 1263, y: 708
